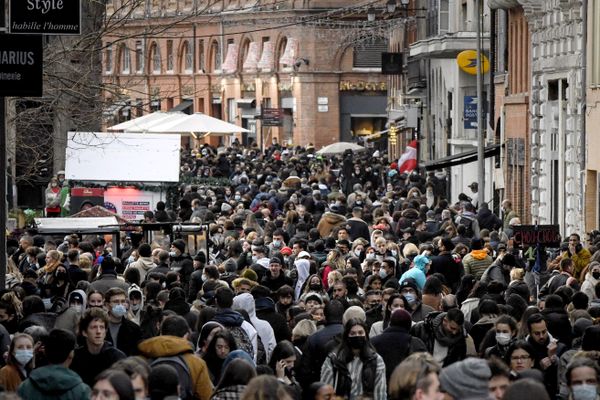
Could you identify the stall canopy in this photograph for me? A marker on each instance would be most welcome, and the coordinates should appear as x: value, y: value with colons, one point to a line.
x: 178, y: 122
x: 49, y: 226
x: 340, y: 147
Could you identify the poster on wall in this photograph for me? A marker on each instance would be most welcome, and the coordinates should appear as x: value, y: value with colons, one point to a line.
x: 131, y: 203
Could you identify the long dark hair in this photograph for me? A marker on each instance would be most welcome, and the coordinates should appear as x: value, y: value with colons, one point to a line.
x: 237, y: 372
x: 284, y: 349
x: 119, y: 381
x: 388, y: 312
x: 345, y: 352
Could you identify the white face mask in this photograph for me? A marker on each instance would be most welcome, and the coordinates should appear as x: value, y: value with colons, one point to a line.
x: 503, y: 338
x: 77, y: 307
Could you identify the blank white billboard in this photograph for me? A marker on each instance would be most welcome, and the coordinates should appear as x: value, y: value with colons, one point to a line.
x: 123, y: 157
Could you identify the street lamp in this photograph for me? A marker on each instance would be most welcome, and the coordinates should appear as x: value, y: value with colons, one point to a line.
x: 391, y: 6
x: 371, y: 14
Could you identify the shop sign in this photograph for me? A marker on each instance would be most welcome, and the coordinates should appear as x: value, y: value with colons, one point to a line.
x: 470, y: 112
x: 531, y: 235
x: 467, y: 61
x: 362, y: 86
x: 21, y: 62
x: 48, y: 17
x: 272, y: 117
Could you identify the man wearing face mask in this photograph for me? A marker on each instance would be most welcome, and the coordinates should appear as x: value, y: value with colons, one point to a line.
x: 124, y: 334
x: 278, y: 242
x: 181, y: 262
x: 136, y: 304
x: 410, y: 291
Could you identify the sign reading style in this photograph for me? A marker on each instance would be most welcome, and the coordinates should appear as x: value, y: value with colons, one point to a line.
x: 21, y: 61
x: 49, y: 17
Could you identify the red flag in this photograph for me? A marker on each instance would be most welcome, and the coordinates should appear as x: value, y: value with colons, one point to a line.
x: 408, y: 161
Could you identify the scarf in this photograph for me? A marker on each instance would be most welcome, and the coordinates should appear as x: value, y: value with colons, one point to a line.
x: 441, y: 336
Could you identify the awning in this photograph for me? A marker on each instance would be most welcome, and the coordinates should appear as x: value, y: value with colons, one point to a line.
x: 185, y: 106
x: 461, y: 158
x: 251, y: 61
x: 246, y: 102
x: 290, y: 53
x: 231, y: 60
x: 266, y: 60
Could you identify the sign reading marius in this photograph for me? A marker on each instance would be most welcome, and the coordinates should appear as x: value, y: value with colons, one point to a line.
x: 49, y: 17
x: 21, y: 61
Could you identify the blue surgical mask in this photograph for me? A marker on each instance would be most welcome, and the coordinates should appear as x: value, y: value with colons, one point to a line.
x: 172, y: 254
x: 276, y: 243
x: 23, y: 356
x: 382, y: 273
x: 119, y: 310
x: 584, y: 392
x: 410, y: 298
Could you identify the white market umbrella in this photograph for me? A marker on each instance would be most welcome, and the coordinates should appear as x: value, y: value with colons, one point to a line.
x: 196, y: 123
x: 143, y: 123
x: 340, y: 147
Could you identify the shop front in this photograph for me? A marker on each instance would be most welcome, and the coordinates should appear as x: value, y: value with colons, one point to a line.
x: 362, y: 110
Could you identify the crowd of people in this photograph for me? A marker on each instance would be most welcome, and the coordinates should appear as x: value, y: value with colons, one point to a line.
x: 324, y: 278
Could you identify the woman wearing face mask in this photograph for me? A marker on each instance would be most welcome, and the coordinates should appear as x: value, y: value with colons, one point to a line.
x: 506, y: 332
x: 583, y: 376
x: 592, y: 277
x: 314, y: 285
x: 355, y: 356
x: 19, y: 363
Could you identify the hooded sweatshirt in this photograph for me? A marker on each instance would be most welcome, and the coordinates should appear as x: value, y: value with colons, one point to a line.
x: 245, y: 301
x: 54, y: 382
x: 135, y: 316
x: 229, y: 318
x: 303, y: 267
x: 476, y: 262
x: 143, y: 265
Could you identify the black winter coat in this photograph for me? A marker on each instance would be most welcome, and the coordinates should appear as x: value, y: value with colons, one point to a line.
x: 449, y: 265
x: 394, y: 344
x: 128, y: 338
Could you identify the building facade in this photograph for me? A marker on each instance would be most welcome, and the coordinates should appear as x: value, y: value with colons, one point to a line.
x: 232, y: 59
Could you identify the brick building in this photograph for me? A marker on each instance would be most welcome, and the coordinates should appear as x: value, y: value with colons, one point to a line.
x: 233, y: 58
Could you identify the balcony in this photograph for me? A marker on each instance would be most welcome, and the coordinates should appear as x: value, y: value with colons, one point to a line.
x: 446, y: 46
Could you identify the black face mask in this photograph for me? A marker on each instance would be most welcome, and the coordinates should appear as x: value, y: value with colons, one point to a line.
x: 357, y: 342
x: 315, y: 287
x: 596, y: 274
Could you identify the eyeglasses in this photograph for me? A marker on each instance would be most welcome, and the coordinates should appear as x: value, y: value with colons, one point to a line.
x: 520, y: 358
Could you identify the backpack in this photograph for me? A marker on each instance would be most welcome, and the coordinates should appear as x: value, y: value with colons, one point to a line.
x: 467, y: 222
x: 186, y: 385
x: 241, y: 339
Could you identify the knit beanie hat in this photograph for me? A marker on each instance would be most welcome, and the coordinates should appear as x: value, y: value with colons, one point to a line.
x: 401, y: 318
x: 467, y: 379
x: 179, y: 245
x: 354, y: 312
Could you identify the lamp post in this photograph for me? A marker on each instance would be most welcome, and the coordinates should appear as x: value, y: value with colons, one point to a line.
x: 480, y: 131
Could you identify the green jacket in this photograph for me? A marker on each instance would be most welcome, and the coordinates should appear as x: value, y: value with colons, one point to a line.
x: 54, y: 382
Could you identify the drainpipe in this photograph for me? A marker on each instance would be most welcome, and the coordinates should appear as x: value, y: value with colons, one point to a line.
x: 582, y: 124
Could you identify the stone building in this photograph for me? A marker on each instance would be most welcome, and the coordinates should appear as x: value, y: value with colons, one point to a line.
x: 318, y: 61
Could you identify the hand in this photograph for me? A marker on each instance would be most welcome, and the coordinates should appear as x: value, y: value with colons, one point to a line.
x: 280, y: 369
x: 572, y: 249
x: 545, y: 363
x: 552, y: 348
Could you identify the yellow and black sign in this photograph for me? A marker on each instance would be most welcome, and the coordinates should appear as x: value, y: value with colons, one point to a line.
x: 467, y: 61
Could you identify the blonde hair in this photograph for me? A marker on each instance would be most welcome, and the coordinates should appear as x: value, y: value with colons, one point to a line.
x: 412, y: 374
x: 517, y: 274
x: 303, y: 329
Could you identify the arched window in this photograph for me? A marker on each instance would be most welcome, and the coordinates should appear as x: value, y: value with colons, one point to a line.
x: 279, y: 51
x: 155, y: 61
x: 215, y: 56
x: 186, y: 58
x: 125, y: 59
x: 201, y: 59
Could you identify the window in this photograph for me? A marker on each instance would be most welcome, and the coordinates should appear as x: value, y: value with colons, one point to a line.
x: 169, y: 55
x: 201, y: 60
x: 155, y: 57
x: 155, y: 105
x: 125, y: 60
x: 444, y: 16
x: 215, y: 56
x: 368, y: 54
x: 108, y: 58
x: 139, y: 56
x: 188, y: 57
x: 231, y: 109
x: 595, y: 21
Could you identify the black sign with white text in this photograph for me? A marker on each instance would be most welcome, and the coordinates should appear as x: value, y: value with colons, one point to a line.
x: 49, y: 17
x: 21, y: 62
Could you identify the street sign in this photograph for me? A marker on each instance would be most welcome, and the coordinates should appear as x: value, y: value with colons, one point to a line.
x: 21, y: 61
x: 531, y: 235
x: 48, y: 17
x: 470, y: 112
x: 272, y: 117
